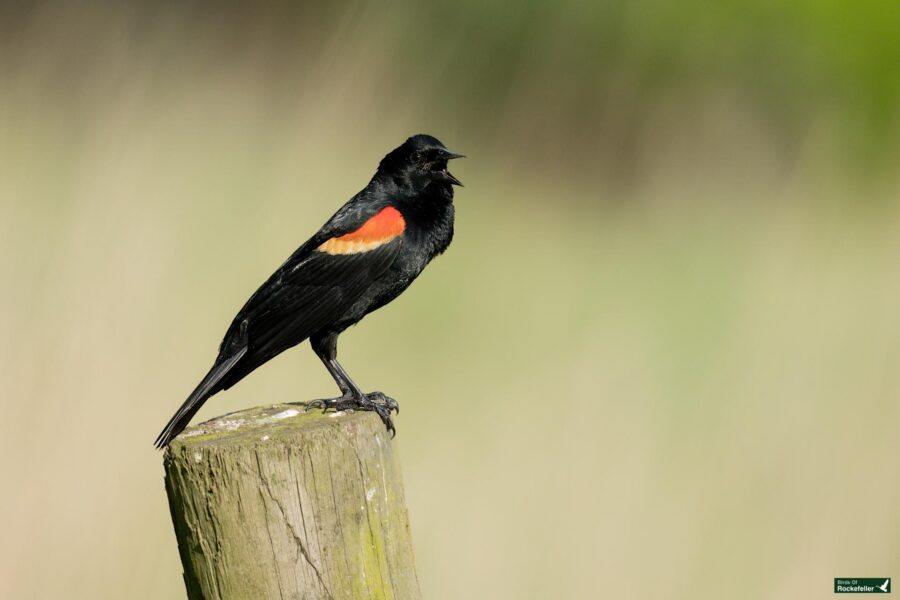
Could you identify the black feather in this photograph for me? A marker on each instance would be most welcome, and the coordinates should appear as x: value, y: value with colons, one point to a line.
x: 204, y: 390
x: 314, y: 294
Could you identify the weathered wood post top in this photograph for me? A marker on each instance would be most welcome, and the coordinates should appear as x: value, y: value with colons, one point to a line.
x: 275, y: 502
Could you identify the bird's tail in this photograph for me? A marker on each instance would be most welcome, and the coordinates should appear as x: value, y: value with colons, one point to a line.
x: 207, y: 388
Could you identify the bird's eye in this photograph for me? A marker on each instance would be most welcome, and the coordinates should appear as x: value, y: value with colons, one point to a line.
x: 416, y: 157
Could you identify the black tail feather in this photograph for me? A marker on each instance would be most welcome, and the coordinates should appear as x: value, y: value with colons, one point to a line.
x: 207, y: 387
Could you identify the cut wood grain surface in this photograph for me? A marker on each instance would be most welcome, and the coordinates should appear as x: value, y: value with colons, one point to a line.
x: 275, y: 502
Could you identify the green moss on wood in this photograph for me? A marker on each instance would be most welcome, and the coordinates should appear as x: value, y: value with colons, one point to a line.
x: 274, y: 502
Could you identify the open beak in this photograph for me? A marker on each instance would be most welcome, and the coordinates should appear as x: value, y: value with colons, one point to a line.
x: 445, y: 175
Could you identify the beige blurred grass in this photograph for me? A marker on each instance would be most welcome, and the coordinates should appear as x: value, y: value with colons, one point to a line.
x: 681, y: 389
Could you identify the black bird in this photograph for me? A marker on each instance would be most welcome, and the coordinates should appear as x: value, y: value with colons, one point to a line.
x: 362, y: 258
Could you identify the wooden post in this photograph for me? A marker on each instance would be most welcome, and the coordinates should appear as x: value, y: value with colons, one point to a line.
x: 274, y: 502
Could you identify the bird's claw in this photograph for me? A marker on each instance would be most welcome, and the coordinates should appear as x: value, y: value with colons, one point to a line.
x: 383, y: 405
x: 377, y: 402
x: 385, y: 400
x: 320, y: 404
x: 385, y: 413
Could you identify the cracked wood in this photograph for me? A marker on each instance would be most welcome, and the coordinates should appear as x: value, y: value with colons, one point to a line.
x: 274, y: 502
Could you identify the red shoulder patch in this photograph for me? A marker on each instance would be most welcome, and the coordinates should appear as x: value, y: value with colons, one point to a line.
x: 387, y: 223
x: 380, y: 229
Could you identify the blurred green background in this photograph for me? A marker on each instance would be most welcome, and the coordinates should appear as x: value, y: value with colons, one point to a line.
x: 659, y: 360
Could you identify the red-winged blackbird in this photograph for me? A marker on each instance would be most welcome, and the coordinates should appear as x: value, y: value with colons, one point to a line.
x: 361, y: 259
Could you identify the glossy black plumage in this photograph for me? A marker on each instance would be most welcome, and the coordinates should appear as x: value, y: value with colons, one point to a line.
x: 316, y: 294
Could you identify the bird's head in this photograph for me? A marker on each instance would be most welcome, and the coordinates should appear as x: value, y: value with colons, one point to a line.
x: 420, y: 161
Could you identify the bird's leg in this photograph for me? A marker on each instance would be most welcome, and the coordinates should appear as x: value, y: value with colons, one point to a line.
x: 351, y: 398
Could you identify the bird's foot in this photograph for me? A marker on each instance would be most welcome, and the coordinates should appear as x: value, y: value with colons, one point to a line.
x: 384, y: 400
x: 377, y: 402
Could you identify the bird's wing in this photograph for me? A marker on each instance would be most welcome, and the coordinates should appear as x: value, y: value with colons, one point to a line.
x: 318, y: 293
x: 349, y: 218
x: 318, y: 283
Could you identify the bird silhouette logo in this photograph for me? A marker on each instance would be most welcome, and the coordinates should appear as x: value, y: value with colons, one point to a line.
x: 886, y: 586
